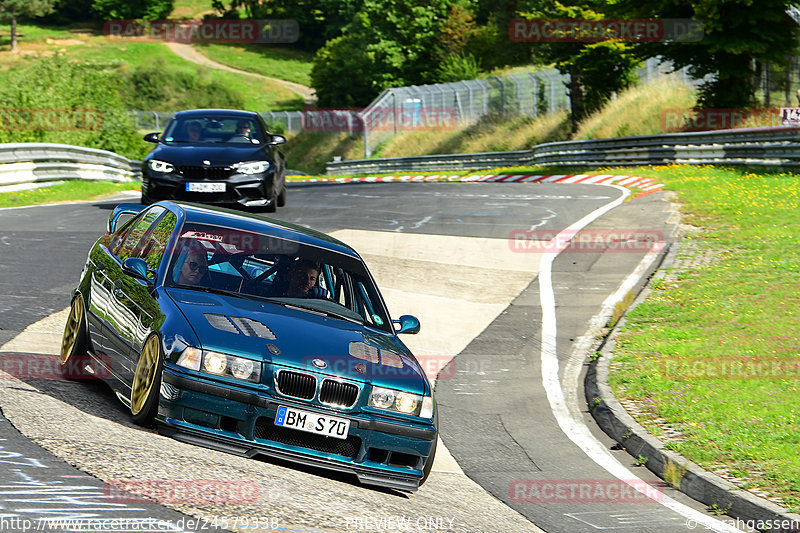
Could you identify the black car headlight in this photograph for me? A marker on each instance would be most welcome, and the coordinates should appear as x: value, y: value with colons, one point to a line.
x: 160, y: 166
x: 401, y: 402
x: 252, y: 167
x: 221, y: 364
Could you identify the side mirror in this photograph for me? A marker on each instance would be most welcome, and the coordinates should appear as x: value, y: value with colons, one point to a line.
x: 277, y: 139
x: 408, y: 324
x: 152, y: 137
x: 136, y: 268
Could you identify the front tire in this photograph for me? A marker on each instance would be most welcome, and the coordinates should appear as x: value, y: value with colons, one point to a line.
x: 74, y: 345
x: 426, y: 470
x: 272, y: 206
x: 282, y: 197
x: 147, y: 383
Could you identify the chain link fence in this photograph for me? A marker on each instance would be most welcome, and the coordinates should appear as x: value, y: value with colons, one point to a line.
x: 435, y: 106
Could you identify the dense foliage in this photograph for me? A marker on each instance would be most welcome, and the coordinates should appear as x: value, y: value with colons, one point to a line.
x: 738, y: 34
x: 156, y: 87
x: 52, y: 100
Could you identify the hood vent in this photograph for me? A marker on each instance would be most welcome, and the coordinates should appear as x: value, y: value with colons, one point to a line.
x: 240, y: 325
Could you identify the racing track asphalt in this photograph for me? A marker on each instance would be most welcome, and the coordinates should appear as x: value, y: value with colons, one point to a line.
x: 495, y: 415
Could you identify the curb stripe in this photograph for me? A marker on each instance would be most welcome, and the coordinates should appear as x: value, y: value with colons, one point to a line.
x: 647, y: 185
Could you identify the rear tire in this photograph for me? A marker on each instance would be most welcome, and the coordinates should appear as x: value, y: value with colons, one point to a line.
x: 74, y: 343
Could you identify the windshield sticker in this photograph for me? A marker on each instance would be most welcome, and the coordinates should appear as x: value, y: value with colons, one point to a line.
x: 202, y: 235
x: 378, y: 320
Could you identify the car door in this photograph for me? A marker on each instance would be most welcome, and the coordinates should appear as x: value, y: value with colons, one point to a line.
x: 146, y: 308
x: 101, y: 287
x: 123, y: 313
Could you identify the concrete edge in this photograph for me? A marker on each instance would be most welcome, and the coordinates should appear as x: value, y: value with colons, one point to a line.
x: 695, y: 482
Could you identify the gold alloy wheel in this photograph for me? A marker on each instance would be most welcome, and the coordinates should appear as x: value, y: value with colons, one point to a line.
x: 145, y: 375
x: 72, y: 329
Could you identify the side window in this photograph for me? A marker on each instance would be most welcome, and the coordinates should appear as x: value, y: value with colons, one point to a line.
x: 153, y: 249
x: 127, y: 247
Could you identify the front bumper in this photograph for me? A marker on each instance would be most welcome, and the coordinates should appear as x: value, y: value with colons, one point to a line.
x: 247, y: 190
x: 378, y: 451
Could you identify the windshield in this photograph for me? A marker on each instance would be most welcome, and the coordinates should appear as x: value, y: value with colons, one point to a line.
x: 279, y: 271
x: 214, y: 129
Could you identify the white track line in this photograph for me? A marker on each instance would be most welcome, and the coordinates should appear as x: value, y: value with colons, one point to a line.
x: 573, y: 428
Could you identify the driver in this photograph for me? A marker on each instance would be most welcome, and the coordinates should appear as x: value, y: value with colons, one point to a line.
x: 303, y: 281
x: 242, y: 131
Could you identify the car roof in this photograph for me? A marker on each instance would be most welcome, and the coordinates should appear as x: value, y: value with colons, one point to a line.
x: 220, y: 216
x: 215, y: 112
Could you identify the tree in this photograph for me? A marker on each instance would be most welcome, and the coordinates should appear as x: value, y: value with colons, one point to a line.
x: 394, y: 41
x: 11, y: 10
x: 132, y: 9
x: 737, y: 34
x: 597, y: 68
x: 319, y: 20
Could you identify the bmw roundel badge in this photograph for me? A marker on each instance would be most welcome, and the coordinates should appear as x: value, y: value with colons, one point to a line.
x: 319, y: 363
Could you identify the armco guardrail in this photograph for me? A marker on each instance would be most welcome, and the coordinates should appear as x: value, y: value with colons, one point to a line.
x: 43, y: 162
x: 755, y: 146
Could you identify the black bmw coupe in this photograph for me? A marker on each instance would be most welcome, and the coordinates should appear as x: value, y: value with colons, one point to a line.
x: 216, y: 156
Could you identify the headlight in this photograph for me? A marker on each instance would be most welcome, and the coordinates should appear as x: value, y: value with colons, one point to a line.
x: 401, y: 402
x: 252, y: 167
x: 160, y: 166
x: 221, y: 364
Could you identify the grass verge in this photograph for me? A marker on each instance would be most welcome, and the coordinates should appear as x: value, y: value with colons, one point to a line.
x: 714, y: 352
x: 276, y: 62
x: 88, y: 46
x: 70, y: 191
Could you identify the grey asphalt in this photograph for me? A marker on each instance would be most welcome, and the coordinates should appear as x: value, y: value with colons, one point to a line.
x: 495, y: 417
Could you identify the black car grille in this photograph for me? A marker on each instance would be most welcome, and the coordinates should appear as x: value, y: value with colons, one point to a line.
x: 338, y: 393
x: 204, y: 173
x: 266, y: 430
x: 296, y: 384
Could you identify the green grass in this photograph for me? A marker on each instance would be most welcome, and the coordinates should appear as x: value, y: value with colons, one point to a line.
x: 190, y: 9
x: 88, y: 45
x: 72, y: 190
x: 744, y: 304
x: 276, y: 62
x: 259, y: 95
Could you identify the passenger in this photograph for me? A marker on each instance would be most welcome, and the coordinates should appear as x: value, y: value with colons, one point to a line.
x: 194, y: 130
x: 193, y: 269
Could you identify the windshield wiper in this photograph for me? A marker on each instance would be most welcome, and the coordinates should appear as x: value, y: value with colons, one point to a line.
x: 322, y: 312
x: 214, y: 290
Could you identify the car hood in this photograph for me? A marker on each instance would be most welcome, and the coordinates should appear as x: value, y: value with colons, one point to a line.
x: 298, y: 339
x: 222, y: 154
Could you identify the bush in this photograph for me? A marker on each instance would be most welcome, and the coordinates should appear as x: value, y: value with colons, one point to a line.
x: 458, y: 67
x: 53, y: 100
x: 157, y: 87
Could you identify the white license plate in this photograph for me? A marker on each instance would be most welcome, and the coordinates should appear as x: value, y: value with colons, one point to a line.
x: 205, y: 187
x: 329, y: 426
